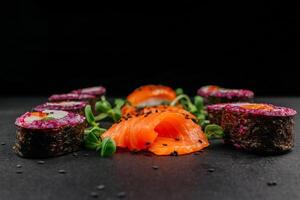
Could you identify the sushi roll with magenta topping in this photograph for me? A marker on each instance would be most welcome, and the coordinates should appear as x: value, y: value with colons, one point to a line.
x: 90, y: 99
x: 71, y: 106
x: 97, y: 91
x: 260, y: 128
x: 48, y: 133
x: 214, y: 94
x: 215, y: 111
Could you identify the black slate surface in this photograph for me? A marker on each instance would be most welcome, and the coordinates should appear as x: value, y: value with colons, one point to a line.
x: 219, y: 172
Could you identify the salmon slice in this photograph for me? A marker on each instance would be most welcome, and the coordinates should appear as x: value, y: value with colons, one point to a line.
x: 134, y: 111
x: 162, y: 133
x: 150, y: 95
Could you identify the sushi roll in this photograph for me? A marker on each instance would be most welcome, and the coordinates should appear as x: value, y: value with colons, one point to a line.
x: 48, y: 133
x: 260, y: 128
x: 97, y: 91
x: 71, y: 106
x: 151, y: 95
x: 90, y: 99
x: 215, y: 112
x: 214, y: 94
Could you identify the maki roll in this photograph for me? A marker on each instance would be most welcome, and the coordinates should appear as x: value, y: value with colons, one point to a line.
x: 71, y: 106
x: 215, y: 111
x: 97, y: 91
x: 90, y: 99
x: 214, y: 94
x: 48, y: 133
x: 260, y: 128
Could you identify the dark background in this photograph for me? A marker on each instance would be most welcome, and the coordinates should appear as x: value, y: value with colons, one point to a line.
x: 67, y: 45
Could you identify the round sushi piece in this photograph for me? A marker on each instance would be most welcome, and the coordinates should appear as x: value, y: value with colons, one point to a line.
x: 260, y: 128
x: 214, y: 94
x: 90, y: 99
x: 71, y: 106
x: 48, y: 133
x: 215, y: 111
x: 151, y: 95
x: 97, y: 91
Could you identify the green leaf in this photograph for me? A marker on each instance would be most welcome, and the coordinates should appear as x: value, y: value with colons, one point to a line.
x: 101, y: 116
x: 192, y: 108
x: 198, y: 101
x: 214, y: 131
x: 91, y: 141
x: 108, y: 147
x: 103, y: 106
x: 119, y: 103
x: 89, y: 115
x: 179, y: 91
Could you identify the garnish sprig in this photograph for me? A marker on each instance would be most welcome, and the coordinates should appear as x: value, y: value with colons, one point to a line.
x: 92, y: 136
x: 105, y: 109
x: 197, y: 108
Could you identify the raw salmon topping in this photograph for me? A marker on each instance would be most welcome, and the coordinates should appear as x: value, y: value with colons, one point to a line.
x: 150, y: 95
x: 162, y: 133
x: 133, y: 111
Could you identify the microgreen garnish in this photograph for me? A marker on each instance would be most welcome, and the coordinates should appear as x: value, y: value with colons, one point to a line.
x: 197, y: 108
x: 108, y: 147
x: 106, y: 110
x: 214, y: 131
x: 92, y: 136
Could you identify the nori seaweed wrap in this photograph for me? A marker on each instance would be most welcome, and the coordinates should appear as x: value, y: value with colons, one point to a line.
x: 48, y: 133
x: 260, y: 128
x: 215, y: 111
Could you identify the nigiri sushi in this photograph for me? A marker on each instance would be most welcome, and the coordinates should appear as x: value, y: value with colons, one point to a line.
x: 151, y: 95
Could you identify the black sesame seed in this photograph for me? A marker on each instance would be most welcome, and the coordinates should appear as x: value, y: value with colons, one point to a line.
x: 94, y: 194
x: 271, y: 183
x: 211, y: 170
x: 147, y: 143
x: 18, y: 166
x: 155, y: 167
x: 19, y: 171
x: 61, y: 171
x: 164, y: 144
x: 177, y: 139
x: 200, y: 141
x: 41, y: 162
x: 121, y: 194
x: 100, y: 187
